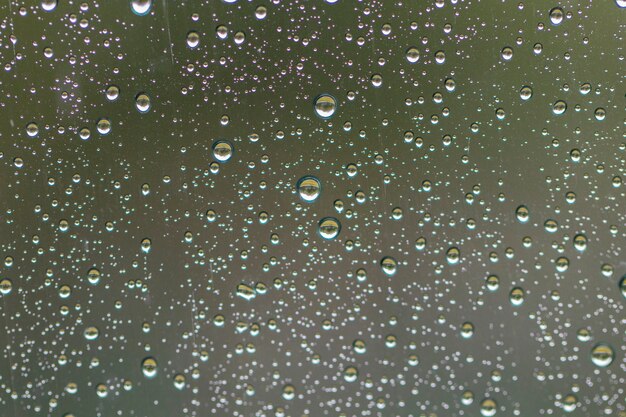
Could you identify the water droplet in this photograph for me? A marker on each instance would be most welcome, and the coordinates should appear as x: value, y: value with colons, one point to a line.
x: 93, y: 276
x: 389, y: 265
x: 516, y: 296
x: 526, y: 92
x: 556, y: 16
x: 149, y: 367
x: 309, y: 188
x: 142, y: 102
x: 453, y: 255
x: 112, y: 92
x: 6, y: 286
x: 289, y: 392
x: 522, y: 214
x: 600, y: 114
x: 350, y: 373
x: 91, y: 333
x: 222, y: 150
x: 602, y: 355
x: 412, y: 55
x: 141, y: 7
x: 325, y: 106
x: 507, y: 53
x: 467, y: 330
x: 193, y: 39
x: 329, y: 227
x: 559, y: 107
x: 48, y: 5
x: 104, y: 126
x: 32, y: 129
x: 246, y: 292
x: 179, y: 381
x: 488, y: 407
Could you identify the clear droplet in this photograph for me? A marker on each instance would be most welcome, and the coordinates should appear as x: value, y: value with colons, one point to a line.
x: 389, y: 265
x: 141, y: 7
x: 149, y: 367
x: 329, y: 227
x: 602, y: 355
x: 412, y: 55
x: 222, y: 150
x: 142, y: 102
x: 309, y: 188
x: 193, y: 39
x: 325, y: 106
x: 48, y: 5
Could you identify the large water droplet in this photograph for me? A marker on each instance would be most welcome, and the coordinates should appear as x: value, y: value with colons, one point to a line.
x: 329, y: 227
x: 309, y: 188
x: 325, y: 106
x: 141, y: 7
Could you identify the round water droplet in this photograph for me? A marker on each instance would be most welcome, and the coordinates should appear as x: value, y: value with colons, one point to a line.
x: 526, y: 92
x: 350, y: 374
x: 222, y: 150
x: 91, y: 333
x: 412, y: 55
x: 289, y: 392
x: 93, y: 276
x: 142, y: 102
x: 329, y: 227
x: 569, y: 403
x: 149, y: 367
x: 453, y: 255
x: 389, y: 265
x: 507, y: 53
x: 621, y: 3
x: 32, y: 129
x: 556, y: 16
x: 467, y: 330
x: 309, y: 188
x: 559, y: 107
x: 141, y: 7
x: 600, y: 114
x: 193, y: 39
x: 5, y: 286
x: 146, y: 245
x: 516, y: 296
x: 112, y: 92
x: 48, y: 5
x: 325, y: 106
x: 602, y: 355
x: 103, y: 126
x: 179, y: 381
x: 488, y: 407
x: 522, y: 214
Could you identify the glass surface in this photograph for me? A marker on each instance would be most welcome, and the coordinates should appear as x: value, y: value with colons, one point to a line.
x: 312, y: 208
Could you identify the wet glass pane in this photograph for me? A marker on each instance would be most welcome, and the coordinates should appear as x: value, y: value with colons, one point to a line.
x: 312, y: 208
